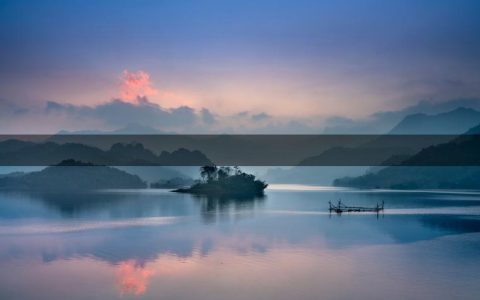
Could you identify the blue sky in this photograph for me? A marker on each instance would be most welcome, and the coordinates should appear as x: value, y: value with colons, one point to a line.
x: 285, y: 58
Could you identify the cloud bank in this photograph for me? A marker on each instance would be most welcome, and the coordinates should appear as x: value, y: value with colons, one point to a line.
x: 117, y: 113
x: 144, y: 116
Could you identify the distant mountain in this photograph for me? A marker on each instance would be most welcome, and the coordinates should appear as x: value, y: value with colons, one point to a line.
x: 317, y: 175
x: 48, y: 153
x: 474, y: 130
x: 136, y: 128
x: 416, y: 178
x: 72, y: 175
x: 464, y: 150
x: 172, y: 183
x: 461, y: 153
x: 131, y: 152
x: 383, y: 121
x: 381, y: 150
x: 158, y: 173
x: 453, y: 122
x: 14, y: 152
x: 358, y: 156
x: 131, y: 128
x: 12, y: 145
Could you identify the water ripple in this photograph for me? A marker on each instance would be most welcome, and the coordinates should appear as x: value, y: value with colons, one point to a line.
x: 74, y: 226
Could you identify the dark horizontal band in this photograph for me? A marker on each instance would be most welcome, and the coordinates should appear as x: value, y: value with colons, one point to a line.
x: 242, y: 150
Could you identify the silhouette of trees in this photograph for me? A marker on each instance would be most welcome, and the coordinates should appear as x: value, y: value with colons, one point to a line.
x: 223, y: 173
x: 208, y: 173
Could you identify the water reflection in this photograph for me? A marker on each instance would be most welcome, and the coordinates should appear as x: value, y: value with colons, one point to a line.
x: 133, y: 277
x: 160, y: 245
x: 94, y: 205
x: 214, y: 208
x: 132, y: 204
x: 422, y: 270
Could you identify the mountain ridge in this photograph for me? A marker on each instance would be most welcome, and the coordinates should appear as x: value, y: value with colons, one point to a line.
x: 49, y: 153
x: 464, y: 171
x: 456, y: 121
x: 72, y: 175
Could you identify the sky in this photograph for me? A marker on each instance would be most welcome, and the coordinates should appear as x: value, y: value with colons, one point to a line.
x: 277, y: 63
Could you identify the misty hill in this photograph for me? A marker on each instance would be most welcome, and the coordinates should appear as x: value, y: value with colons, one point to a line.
x: 383, y: 121
x: 456, y: 121
x: 131, y: 128
x: 462, y: 154
x: 473, y: 130
x: 381, y: 148
x: 397, y: 177
x: 172, y: 183
x: 72, y: 175
x: 15, y: 152
x: 345, y: 156
x: 317, y: 175
x: 464, y: 150
x: 10, y: 146
x: 160, y: 173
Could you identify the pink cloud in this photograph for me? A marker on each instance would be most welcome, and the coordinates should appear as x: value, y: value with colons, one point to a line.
x: 135, y: 85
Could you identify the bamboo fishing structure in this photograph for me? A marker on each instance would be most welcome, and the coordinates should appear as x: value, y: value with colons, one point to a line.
x: 341, y: 208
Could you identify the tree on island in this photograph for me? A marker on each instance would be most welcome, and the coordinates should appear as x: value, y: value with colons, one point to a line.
x: 208, y: 173
x: 212, y: 173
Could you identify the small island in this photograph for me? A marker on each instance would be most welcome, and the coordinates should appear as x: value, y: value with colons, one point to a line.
x: 225, y: 181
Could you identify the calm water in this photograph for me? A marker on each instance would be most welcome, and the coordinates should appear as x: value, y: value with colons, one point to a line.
x: 159, y: 245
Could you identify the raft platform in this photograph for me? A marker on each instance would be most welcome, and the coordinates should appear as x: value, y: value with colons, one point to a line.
x: 341, y: 208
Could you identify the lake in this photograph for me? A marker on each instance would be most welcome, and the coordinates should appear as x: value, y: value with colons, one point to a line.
x: 154, y: 244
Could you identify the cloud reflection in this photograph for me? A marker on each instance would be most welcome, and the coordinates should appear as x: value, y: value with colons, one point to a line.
x: 133, y: 278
